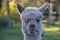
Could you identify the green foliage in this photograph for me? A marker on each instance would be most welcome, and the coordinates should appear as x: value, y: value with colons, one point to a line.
x: 15, y: 15
x: 13, y: 12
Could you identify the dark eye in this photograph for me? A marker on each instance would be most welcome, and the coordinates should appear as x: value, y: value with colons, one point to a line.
x: 37, y: 20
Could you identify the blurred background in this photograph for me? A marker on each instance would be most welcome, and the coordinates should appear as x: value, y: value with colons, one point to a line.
x: 10, y: 24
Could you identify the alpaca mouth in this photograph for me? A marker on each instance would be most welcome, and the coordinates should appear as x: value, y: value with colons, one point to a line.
x: 32, y: 32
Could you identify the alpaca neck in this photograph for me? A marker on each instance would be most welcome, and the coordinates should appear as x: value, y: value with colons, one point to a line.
x: 31, y: 37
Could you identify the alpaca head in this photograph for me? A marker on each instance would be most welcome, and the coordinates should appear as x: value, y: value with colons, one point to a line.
x: 31, y: 18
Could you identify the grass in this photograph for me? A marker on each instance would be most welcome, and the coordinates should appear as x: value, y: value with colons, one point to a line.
x: 50, y: 33
x: 14, y: 33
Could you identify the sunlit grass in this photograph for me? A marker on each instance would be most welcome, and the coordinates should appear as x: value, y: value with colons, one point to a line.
x: 51, y: 29
x: 50, y: 32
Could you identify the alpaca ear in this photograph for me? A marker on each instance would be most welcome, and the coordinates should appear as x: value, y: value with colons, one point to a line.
x: 44, y: 7
x: 19, y: 7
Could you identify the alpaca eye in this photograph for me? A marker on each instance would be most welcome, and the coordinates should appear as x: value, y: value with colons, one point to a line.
x: 37, y: 20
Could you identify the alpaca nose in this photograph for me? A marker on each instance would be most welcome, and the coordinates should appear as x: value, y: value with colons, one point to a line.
x: 31, y: 25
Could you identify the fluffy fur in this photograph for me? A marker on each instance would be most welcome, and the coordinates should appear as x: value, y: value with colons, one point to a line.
x: 31, y: 18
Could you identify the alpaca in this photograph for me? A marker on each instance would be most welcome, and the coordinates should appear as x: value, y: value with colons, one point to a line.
x: 31, y: 18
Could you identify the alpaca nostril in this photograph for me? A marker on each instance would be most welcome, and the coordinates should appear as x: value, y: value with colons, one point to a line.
x: 31, y: 25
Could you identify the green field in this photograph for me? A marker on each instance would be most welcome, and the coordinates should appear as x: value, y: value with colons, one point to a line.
x: 14, y: 33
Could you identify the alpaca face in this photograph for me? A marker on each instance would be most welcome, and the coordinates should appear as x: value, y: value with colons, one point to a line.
x: 31, y: 18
